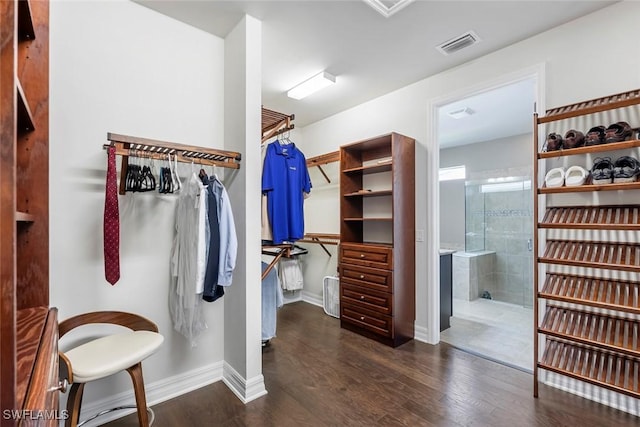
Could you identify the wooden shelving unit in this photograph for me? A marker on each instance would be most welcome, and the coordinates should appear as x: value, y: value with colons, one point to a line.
x: 589, y: 324
x: 377, y: 251
x: 29, y: 352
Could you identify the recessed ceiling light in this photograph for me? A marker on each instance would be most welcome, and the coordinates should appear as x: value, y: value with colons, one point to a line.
x: 461, y: 113
x: 312, y: 85
x: 387, y: 8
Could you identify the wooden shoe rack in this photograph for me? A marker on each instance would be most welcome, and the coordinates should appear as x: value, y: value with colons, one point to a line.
x: 587, y: 264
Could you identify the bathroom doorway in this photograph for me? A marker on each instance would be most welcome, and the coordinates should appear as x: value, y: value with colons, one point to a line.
x: 487, y: 219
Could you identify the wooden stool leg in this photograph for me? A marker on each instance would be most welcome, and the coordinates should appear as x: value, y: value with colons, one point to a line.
x: 74, y: 402
x: 138, y: 387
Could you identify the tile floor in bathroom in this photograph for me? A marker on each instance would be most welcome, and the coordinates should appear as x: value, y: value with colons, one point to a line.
x: 496, y: 330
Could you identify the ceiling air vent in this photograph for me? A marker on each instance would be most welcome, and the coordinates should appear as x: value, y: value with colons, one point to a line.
x: 458, y: 43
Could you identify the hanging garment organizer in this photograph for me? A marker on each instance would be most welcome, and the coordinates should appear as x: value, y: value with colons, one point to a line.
x: 131, y: 146
x: 275, y: 123
x: 324, y: 159
x: 321, y: 239
x: 279, y: 251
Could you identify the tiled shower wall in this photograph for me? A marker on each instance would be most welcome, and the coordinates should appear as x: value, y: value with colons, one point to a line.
x: 503, y: 221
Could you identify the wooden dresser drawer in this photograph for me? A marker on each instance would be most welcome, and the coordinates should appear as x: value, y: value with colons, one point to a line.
x: 367, y: 255
x: 377, y: 323
x: 380, y: 280
x: 380, y: 302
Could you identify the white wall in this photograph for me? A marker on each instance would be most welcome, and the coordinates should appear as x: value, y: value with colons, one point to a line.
x: 574, y: 56
x: 119, y: 67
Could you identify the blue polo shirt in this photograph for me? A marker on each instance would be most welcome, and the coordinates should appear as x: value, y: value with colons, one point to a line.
x: 284, y: 180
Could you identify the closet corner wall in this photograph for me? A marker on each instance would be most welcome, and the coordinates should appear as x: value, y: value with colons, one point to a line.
x: 28, y: 359
x: 587, y: 263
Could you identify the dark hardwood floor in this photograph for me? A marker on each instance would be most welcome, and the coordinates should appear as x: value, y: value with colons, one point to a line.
x: 320, y: 375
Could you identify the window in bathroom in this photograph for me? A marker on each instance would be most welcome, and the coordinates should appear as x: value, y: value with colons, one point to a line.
x: 452, y: 173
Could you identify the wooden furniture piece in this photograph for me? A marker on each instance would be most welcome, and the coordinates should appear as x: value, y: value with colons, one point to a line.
x: 587, y: 320
x: 28, y: 345
x: 377, y: 238
x: 274, y: 123
x: 109, y: 354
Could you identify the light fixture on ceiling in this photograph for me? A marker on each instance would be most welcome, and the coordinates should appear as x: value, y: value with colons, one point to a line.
x: 461, y: 113
x: 387, y: 8
x: 312, y: 85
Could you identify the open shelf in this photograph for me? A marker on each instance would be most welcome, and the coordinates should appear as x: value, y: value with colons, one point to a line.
x: 369, y: 193
x: 367, y: 219
x: 24, y: 217
x: 598, y: 330
x: 369, y: 169
x: 622, y: 217
x: 614, y: 256
x: 604, y: 369
x: 609, y: 294
x: 591, y: 187
x: 591, y: 149
x: 619, y: 100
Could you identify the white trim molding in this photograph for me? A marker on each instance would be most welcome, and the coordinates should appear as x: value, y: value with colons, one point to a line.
x: 245, y: 390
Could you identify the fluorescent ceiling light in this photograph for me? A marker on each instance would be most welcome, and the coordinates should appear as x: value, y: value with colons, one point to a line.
x: 314, y: 84
x: 387, y: 8
x: 461, y: 113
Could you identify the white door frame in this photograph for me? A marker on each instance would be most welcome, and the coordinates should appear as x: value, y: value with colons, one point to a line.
x: 536, y: 72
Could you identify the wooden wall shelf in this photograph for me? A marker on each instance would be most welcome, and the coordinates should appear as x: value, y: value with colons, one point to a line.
x: 620, y: 100
x: 26, y: 122
x: 609, y: 294
x: 614, y: 256
x: 604, y: 369
x: 580, y: 342
x: 621, y: 217
x: 605, y: 332
x: 591, y: 149
x: 591, y: 187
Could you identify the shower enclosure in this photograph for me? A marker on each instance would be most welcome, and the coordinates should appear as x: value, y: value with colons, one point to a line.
x: 499, y: 229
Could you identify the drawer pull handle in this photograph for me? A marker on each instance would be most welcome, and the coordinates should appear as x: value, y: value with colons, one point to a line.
x: 362, y: 276
x: 62, y: 386
x: 361, y: 317
x: 362, y: 297
x: 361, y: 255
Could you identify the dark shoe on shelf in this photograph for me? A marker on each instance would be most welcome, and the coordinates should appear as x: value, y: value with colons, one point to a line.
x: 626, y: 169
x: 554, y: 142
x: 617, y: 132
x: 595, y: 136
x: 602, y: 171
x: 573, y: 139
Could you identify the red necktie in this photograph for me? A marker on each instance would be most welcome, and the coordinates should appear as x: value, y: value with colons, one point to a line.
x: 111, y: 222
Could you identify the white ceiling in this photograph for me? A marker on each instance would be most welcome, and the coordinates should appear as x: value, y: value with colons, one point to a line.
x: 369, y: 54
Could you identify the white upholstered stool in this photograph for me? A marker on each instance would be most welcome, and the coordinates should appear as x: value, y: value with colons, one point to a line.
x: 108, y: 355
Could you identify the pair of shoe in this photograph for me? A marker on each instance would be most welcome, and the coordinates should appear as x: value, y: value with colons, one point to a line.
x: 620, y: 131
x: 625, y: 169
x: 572, y: 177
x: 616, y: 132
x: 572, y: 139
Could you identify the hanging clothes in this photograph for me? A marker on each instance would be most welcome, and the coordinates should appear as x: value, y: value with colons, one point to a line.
x: 188, y: 260
x: 223, y: 241
x: 266, y: 234
x: 290, y: 274
x: 272, y: 300
x: 285, y: 179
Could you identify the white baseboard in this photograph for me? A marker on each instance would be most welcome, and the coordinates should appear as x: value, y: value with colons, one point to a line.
x: 245, y: 390
x: 421, y: 334
x: 156, y: 392
x: 312, y: 299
